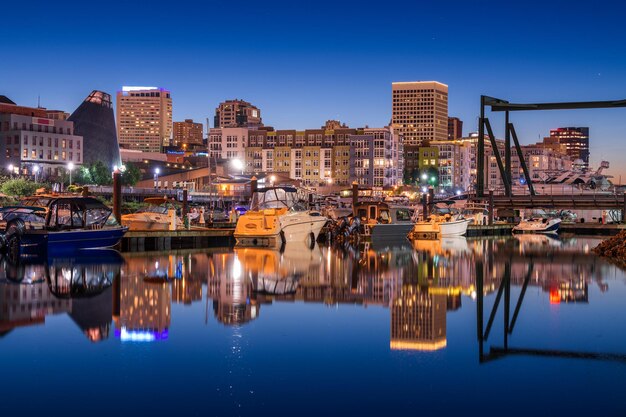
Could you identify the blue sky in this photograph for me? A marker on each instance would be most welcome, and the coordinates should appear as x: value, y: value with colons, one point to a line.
x: 305, y: 62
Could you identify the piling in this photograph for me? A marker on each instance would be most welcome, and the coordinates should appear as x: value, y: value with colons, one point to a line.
x: 431, y: 198
x: 355, y: 197
x: 253, y: 186
x: 424, y: 206
x: 185, y: 203
x: 85, y: 191
x: 491, y: 207
x: 117, y: 196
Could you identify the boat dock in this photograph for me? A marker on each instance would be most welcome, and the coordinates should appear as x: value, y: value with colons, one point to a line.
x: 161, y: 240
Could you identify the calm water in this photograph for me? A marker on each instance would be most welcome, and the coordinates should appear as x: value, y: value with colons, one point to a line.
x: 374, y: 331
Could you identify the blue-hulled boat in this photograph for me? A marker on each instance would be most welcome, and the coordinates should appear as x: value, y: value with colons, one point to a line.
x: 65, y: 225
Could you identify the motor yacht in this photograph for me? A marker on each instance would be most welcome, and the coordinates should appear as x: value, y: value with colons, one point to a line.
x: 442, y: 222
x: 160, y: 214
x: 278, y: 215
x: 382, y: 220
x: 538, y: 224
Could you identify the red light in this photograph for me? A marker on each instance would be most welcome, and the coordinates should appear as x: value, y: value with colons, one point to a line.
x: 555, y: 297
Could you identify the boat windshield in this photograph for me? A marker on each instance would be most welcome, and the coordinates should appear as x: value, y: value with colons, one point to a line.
x: 275, y: 198
x: 154, y: 209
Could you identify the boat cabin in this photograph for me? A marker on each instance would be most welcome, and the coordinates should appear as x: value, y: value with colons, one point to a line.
x: 382, y: 213
x: 67, y: 213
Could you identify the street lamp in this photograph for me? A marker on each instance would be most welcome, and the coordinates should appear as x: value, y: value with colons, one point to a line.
x: 424, y: 176
x: 272, y: 179
x: 238, y: 165
x: 157, y: 171
x: 35, y: 171
x: 70, y: 168
x: 11, y: 168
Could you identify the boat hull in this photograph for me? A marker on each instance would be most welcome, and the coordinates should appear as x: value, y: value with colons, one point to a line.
x: 69, y: 241
x: 430, y: 230
x: 535, y: 227
x: 390, y: 231
x: 259, y: 229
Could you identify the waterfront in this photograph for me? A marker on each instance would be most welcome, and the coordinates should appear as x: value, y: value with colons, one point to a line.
x: 370, y: 331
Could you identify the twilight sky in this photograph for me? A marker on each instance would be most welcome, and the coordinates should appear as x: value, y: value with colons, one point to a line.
x: 303, y: 62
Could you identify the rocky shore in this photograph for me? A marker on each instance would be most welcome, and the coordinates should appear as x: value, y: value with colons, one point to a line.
x: 614, y: 248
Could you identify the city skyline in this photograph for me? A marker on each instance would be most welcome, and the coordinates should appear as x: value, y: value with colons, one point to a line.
x: 334, y: 67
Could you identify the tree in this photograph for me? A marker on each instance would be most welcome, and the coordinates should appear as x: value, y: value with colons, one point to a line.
x: 20, y: 187
x: 132, y: 175
x: 100, y: 173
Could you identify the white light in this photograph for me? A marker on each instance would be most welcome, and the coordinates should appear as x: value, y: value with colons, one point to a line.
x: 458, y: 192
x: 36, y: 169
x: 424, y: 189
x: 237, y: 163
x: 129, y: 88
x: 70, y: 166
x: 157, y: 171
x: 11, y: 168
x: 424, y: 176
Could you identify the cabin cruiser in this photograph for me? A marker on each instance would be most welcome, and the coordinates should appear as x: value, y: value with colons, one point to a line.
x: 278, y: 215
x: 160, y: 214
x: 442, y: 222
x: 384, y: 220
x: 538, y: 224
x: 66, y: 225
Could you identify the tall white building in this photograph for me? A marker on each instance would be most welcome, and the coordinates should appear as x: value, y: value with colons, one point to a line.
x: 228, y: 143
x: 144, y: 118
x: 420, y: 111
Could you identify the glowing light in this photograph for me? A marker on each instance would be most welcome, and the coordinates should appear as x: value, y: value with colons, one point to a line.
x: 157, y: 171
x: 458, y: 192
x: 128, y: 88
x: 126, y: 335
x: 70, y: 166
x: 424, y: 177
x: 555, y: 297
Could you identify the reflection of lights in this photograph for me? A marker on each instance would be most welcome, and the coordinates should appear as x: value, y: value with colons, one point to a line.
x: 126, y: 335
x: 236, y: 269
x: 555, y: 297
x: 473, y: 295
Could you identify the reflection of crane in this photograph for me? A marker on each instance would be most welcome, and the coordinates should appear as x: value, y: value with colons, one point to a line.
x: 496, y: 352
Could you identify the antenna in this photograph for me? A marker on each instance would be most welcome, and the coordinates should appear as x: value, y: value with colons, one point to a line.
x: 38, y: 101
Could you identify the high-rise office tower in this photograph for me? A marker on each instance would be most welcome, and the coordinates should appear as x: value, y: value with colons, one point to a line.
x: 187, y: 133
x: 420, y: 111
x: 575, y: 139
x: 144, y: 118
x: 237, y: 113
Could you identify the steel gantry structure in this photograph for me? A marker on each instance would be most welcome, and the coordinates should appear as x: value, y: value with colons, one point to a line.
x: 499, y: 105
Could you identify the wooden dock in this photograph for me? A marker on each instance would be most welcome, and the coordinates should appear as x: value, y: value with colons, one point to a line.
x: 163, y: 240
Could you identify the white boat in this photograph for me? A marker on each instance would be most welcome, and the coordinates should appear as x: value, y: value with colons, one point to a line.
x: 538, y: 225
x: 438, y: 226
x: 158, y: 215
x: 278, y: 215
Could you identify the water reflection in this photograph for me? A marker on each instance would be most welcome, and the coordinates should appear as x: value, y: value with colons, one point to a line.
x: 419, y: 283
x: 80, y: 287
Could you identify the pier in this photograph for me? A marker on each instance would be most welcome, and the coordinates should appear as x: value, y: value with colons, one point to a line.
x: 161, y: 240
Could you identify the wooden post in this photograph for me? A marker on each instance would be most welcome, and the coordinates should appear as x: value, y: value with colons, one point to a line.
x: 85, y: 191
x: 185, y: 203
x: 431, y: 198
x: 253, y: 186
x: 117, y: 196
x: 424, y: 206
x: 355, y: 197
x: 491, y: 208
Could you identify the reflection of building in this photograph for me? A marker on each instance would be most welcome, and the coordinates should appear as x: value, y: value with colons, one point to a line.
x: 144, y: 309
x: 231, y: 291
x: 186, y: 290
x: 93, y: 315
x: 28, y: 304
x: 418, y: 320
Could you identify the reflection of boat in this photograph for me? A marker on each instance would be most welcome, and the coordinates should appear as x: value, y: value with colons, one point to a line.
x: 451, y: 245
x: 66, y: 225
x: 278, y: 215
x: 538, y: 225
x: 273, y: 271
x: 158, y: 215
x: 383, y: 221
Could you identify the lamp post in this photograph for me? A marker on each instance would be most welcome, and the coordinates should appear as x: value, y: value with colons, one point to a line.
x: 11, y: 168
x: 238, y: 165
x: 35, y: 171
x: 70, y: 168
x: 157, y: 171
